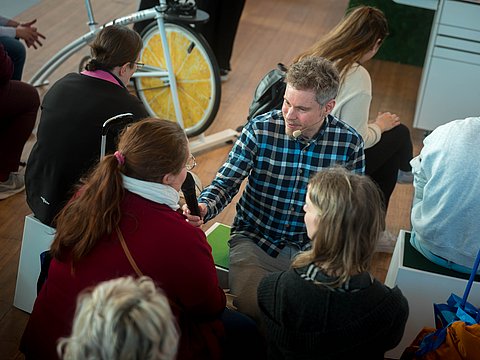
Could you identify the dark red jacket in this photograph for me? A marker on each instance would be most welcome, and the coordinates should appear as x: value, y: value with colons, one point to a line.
x: 166, y: 248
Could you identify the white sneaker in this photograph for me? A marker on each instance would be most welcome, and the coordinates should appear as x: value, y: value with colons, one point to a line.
x: 224, y: 74
x: 13, y: 185
x: 386, y: 242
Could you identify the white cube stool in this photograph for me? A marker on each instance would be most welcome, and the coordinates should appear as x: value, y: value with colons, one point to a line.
x: 422, y: 288
x: 37, y: 238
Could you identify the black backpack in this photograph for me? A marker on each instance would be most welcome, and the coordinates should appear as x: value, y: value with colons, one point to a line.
x: 269, y: 92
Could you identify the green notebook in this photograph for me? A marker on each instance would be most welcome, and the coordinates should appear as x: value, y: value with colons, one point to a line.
x: 217, y: 236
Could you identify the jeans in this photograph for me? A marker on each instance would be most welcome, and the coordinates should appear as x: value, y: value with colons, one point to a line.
x: 437, y: 259
x: 16, y: 51
x: 248, y: 265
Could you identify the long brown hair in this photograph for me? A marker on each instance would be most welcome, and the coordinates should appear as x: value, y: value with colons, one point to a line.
x: 151, y: 149
x: 355, y: 35
x: 350, y: 219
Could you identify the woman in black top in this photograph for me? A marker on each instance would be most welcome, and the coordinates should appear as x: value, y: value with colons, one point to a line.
x: 72, y: 114
x: 328, y: 306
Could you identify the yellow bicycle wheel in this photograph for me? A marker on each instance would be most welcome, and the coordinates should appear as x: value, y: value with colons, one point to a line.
x: 196, y: 73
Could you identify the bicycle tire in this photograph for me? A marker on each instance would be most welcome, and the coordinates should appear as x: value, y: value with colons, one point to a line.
x: 197, y: 75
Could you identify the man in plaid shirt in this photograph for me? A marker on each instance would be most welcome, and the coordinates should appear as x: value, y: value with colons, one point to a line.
x: 278, y: 152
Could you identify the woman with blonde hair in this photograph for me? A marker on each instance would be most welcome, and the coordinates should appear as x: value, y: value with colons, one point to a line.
x: 124, y: 221
x: 350, y: 44
x: 119, y: 319
x: 328, y: 305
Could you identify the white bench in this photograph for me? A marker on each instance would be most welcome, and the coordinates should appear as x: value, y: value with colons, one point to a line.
x: 37, y: 238
x: 422, y: 288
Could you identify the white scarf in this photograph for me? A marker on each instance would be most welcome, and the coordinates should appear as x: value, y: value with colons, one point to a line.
x: 159, y: 193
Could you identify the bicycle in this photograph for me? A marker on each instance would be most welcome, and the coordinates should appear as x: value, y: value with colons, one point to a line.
x: 180, y: 80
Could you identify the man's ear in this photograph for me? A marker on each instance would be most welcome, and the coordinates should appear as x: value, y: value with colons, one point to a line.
x: 329, y: 106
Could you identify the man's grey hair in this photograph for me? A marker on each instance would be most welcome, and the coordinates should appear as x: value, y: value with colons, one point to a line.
x: 316, y: 74
x: 124, y: 318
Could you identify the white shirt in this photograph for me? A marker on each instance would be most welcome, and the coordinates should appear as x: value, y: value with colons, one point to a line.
x: 353, y: 104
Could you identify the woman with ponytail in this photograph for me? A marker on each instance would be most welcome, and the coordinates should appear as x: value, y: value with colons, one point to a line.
x: 123, y: 221
x: 72, y: 114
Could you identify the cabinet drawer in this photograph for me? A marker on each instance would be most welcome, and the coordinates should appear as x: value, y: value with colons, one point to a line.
x: 460, y: 56
x: 459, y: 33
x: 458, y: 44
x: 450, y: 93
x: 461, y: 14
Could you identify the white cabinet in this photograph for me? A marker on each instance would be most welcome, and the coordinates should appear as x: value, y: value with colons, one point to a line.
x: 450, y: 85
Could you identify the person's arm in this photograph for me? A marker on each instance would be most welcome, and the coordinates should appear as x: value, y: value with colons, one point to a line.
x: 353, y: 107
x: 419, y: 179
x: 25, y: 31
x: 8, y: 27
x: 231, y: 175
x: 357, y: 162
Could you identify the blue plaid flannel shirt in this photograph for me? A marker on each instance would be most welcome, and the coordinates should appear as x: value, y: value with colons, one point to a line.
x: 278, y: 167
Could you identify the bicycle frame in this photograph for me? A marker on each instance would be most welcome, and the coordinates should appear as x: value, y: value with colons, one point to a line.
x: 157, y: 13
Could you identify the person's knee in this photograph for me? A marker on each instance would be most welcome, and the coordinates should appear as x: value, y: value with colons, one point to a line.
x: 15, y: 49
x: 28, y: 95
x: 402, y: 131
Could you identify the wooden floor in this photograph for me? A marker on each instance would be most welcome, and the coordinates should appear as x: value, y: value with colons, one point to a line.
x: 270, y: 31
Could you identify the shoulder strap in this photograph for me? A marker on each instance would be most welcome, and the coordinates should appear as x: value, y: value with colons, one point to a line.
x: 130, y: 258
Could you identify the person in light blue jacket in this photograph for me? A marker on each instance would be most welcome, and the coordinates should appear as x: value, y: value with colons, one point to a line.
x: 446, y: 207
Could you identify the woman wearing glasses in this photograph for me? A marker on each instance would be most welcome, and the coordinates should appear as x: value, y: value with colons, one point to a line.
x: 73, y: 111
x: 124, y: 221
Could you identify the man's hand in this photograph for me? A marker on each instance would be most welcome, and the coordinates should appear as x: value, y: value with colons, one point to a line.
x: 29, y: 34
x: 193, y: 219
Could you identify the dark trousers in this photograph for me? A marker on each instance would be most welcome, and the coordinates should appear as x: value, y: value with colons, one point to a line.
x: 219, y: 31
x: 242, y: 337
x: 383, y: 160
x: 16, y: 51
x: 19, y: 104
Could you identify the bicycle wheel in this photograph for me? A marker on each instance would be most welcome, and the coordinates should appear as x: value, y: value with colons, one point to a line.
x: 196, y: 73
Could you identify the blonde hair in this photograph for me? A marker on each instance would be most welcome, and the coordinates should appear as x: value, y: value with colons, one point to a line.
x: 350, y: 219
x: 124, y: 318
x: 355, y: 35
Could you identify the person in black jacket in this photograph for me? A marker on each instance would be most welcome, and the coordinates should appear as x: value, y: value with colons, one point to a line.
x: 328, y: 306
x: 72, y: 114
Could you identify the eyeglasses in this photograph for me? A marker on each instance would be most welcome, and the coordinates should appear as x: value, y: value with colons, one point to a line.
x: 191, y: 163
x: 139, y: 65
